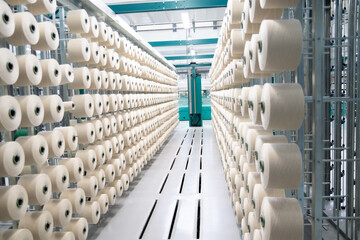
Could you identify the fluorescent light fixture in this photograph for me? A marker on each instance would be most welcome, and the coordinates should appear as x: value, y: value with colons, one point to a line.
x: 192, y: 52
x: 186, y: 20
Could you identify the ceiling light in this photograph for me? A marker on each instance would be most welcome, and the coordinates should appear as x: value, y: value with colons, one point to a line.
x: 186, y: 20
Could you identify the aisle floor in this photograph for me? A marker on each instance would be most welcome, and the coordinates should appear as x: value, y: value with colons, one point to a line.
x: 180, y: 194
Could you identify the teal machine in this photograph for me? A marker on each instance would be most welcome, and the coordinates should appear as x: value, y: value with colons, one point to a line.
x: 195, y: 98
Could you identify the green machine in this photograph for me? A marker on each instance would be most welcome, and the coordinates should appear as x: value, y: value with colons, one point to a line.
x: 195, y: 98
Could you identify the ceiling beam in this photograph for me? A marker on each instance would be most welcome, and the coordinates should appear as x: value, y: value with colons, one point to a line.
x: 190, y: 57
x: 184, y: 42
x: 189, y: 65
x: 166, y: 6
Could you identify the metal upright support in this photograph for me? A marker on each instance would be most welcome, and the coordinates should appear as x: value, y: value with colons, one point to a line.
x: 195, y: 99
x: 350, y: 90
x: 318, y: 83
x: 357, y: 135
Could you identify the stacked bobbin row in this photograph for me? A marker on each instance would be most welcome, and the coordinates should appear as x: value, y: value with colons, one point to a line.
x: 259, y: 162
x: 121, y: 105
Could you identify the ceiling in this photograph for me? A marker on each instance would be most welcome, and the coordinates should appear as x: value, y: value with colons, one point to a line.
x: 164, y: 26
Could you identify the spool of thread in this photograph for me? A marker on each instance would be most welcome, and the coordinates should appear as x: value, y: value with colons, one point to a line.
x: 238, y: 183
x: 253, y: 224
x: 257, y: 234
x: 14, y: 201
x: 38, y: 187
x: 109, y: 170
x: 90, y: 185
x: 7, y: 23
x: 250, y: 142
x: 106, y: 103
x: 254, y: 99
x: 61, y: 211
x: 244, y: 131
x: 84, y: 106
x: 108, y: 149
x: 86, y: 132
x: 247, y: 71
x: 282, y: 106
x: 42, y: 7
x: 247, y: 26
x: 79, y: 50
x: 113, y: 102
x: 67, y: 73
x: 247, y: 208
x: 271, y: 46
x: 77, y: 198
x: 75, y: 168
x: 126, y: 181
x: 62, y: 236
x: 98, y: 129
x: 278, y: 4
x: 127, y: 139
x: 237, y: 44
x: 80, y: 228
x: 102, y: 33
x: 129, y: 156
x: 103, y: 58
x: 257, y: 13
x: 40, y: 224
x: 247, y: 168
x: 78, y: 21
x: 10, y: 113
x: 280, y: 165
x: 103, y: 201
x: 35, y: 148
x: 70, y: 136
x: 32, y: 110
x: 119, y: 84
x: 69, y: 106
x: 243, y: 101
x: 100, y: 153
x: 110, y: 63
x: 26, y: 30
x: 235, y: 9
x: 281, y: 218
x: 93, y: 29
x: 9, y: 67
x: 115, y: 144
x: 59, y: 177
x: 244, y: 227
x: 253, y: 53
x: 94, y: 53
x: 88, y: 157
x: 95, y: 79
x: 99, y: 174
x: 12, y: 159
x: 242, y: 196
x: 260, y: 193
x: 111, y: 193
x: 253, y: 178
x: 54, y: 108
x: 238, y: 212
x: 98, y: 104
x: 49, y: 37
x: 91, y: 212
x: 51, y: 73
x: 106, y: 126
x: 82, y: 79
x: 113, y: 124
x: 30, y: 71
x: 260, y: 140
x: 15, y: 234
x: 118, y: 185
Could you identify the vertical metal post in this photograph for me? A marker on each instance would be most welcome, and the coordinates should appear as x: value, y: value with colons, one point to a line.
x: 337, y: 112
x: 357, y: 164
x: 350, y: 90
x: 318, y: 83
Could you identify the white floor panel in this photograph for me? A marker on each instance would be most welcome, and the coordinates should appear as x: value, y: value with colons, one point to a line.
x: 181, y: 194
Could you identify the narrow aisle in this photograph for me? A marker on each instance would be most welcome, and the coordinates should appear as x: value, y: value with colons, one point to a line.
x: 180, y: 194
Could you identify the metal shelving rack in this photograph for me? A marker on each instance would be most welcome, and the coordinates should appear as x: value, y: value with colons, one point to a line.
x: 330, y: 137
